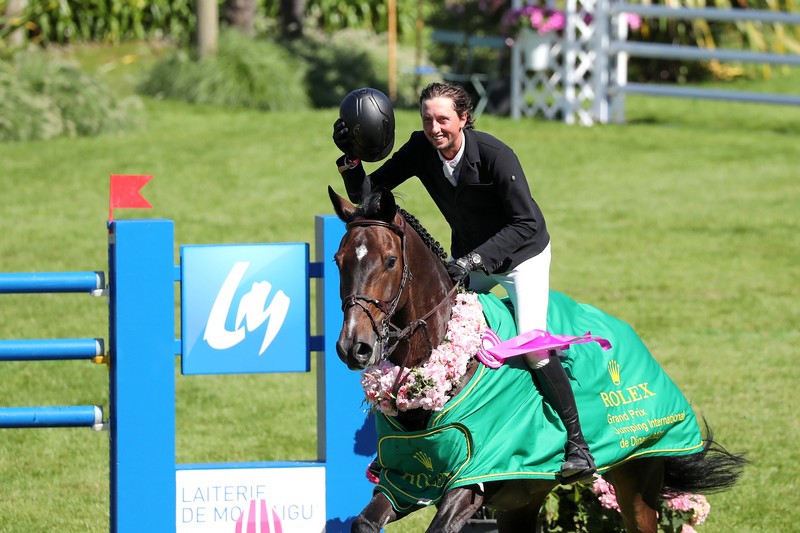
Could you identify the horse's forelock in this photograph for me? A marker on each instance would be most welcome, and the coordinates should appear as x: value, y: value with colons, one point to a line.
x: 374, y: 206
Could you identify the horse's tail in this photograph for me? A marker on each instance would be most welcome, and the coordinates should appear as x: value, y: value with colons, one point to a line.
x: 713, y: 469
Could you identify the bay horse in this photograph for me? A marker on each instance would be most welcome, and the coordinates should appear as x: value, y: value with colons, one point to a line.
x: 397, y: 300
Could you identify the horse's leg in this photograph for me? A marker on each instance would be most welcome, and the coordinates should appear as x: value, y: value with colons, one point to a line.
x: 376, y: 514
x: 524, y: 518
x: 637, y: 485
x: 455, y: 509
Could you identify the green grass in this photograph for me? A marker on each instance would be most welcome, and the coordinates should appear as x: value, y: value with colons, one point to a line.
x: 682, y: 222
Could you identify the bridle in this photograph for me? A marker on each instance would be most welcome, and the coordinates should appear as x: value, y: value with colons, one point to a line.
x: 390, y: 335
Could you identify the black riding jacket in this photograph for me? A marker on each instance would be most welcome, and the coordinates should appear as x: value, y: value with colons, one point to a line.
x: 490, y: 211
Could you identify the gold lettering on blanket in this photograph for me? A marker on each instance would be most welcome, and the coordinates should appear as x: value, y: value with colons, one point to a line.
x: 632, y: 433
x: 633, y: 394
x: 424, y: 458
x: 635, y: 423
x: 667, y: 420
x: 613, y: 371
x: 424, y: 481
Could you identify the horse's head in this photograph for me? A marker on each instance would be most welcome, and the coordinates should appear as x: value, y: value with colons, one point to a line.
x: 381, y: 308
x: 372, y: 272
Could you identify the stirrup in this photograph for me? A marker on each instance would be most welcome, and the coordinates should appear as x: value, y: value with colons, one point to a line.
x: 585, y: 467
x: 574, y: 476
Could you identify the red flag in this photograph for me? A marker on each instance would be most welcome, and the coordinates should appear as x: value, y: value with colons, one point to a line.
x: 124, y: 193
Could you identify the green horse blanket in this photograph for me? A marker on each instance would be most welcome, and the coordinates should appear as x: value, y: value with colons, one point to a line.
x: 499, y: 428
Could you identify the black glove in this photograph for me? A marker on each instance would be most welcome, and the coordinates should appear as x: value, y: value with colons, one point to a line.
x: 341, y: 139
x: 460, y: 268
x: 457, y: 273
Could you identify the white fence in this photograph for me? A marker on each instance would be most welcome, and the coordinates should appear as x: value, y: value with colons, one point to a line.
x: 581, y: 76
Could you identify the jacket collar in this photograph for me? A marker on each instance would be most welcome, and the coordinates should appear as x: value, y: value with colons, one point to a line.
x: 470, y: 160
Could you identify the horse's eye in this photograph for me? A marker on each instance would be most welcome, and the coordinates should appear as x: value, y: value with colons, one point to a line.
x: 391, y: 262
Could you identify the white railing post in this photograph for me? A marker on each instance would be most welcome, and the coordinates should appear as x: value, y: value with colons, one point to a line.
x: 569, y: 53
x: 600, y: 45
x: 619, y: 70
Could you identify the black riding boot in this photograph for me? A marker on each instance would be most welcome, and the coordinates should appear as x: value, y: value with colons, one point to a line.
x: 556, y: 390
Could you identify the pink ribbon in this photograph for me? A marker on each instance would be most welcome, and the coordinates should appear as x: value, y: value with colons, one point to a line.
x: 493, y: 352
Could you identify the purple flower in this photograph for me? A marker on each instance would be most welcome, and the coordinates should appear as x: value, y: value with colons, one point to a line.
x: 539, y: 18
x: 605, y: 493
x: 545, y: 20
x: 634, y: 21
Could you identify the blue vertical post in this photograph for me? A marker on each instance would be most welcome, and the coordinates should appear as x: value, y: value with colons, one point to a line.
x: 345, y: 437
x: 142, y: 382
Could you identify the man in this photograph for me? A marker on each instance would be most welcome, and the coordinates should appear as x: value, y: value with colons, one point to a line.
x: 499, y: 234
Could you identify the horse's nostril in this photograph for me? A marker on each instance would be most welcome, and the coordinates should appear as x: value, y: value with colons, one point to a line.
x: 356, y: 355
x: 362, y: 350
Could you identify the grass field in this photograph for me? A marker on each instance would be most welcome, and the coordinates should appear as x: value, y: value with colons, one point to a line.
x: 683, y: 222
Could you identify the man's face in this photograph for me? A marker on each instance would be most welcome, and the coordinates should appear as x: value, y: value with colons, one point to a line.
x: 442, y: 125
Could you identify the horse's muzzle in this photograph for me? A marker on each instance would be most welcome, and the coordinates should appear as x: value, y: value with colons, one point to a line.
x: 358, y: 355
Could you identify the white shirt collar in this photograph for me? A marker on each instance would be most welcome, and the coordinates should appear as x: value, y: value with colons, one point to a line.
x: 449, y: 167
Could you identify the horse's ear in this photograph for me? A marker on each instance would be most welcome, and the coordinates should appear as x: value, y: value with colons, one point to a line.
x: 343, y: 208
x: 387, y: 207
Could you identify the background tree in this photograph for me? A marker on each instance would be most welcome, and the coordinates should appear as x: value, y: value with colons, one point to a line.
x: 291, y: 17
x: 207, y: 27
x: 15, y: 9
x: 240, y: 15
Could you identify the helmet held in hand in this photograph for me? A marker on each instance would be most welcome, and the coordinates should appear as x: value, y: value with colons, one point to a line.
x: 369, y: 116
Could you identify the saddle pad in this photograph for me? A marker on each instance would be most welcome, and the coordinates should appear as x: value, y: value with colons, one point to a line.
x: 499, y: 428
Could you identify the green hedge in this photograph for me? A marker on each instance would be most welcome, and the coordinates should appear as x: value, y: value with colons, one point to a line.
x: 69, y: 21
x: 349, y: 59
x: 317, y: 71
x: 245, y: 72
x: 41, y: 98
x: 66, y: 21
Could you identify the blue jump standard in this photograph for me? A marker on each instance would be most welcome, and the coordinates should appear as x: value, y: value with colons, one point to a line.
x: 142, y: 279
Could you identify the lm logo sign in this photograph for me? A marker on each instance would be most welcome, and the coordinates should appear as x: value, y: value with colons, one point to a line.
x: 253, y: 311
x: 245, y: 308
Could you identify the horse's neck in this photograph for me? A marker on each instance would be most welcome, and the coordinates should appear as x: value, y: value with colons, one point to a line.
x: 428, y: 287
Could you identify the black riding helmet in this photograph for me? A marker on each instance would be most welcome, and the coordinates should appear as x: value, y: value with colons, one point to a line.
x: 369, y: 117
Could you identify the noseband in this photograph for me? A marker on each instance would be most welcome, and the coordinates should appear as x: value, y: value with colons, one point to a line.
x: 389, y: 335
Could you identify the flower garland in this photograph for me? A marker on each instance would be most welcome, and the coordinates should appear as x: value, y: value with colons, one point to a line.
x: 427, y: 386
x: 685, y: 510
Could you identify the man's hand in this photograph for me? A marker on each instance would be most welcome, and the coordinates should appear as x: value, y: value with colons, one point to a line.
x: 341, y: 139
x: 460, y: 268
x: 457, y: 272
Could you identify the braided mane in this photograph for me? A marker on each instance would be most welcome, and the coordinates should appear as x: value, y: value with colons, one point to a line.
x: 426, y: 237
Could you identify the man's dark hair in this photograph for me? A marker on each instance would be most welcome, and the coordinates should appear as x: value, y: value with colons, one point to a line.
x: 460, y: 98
